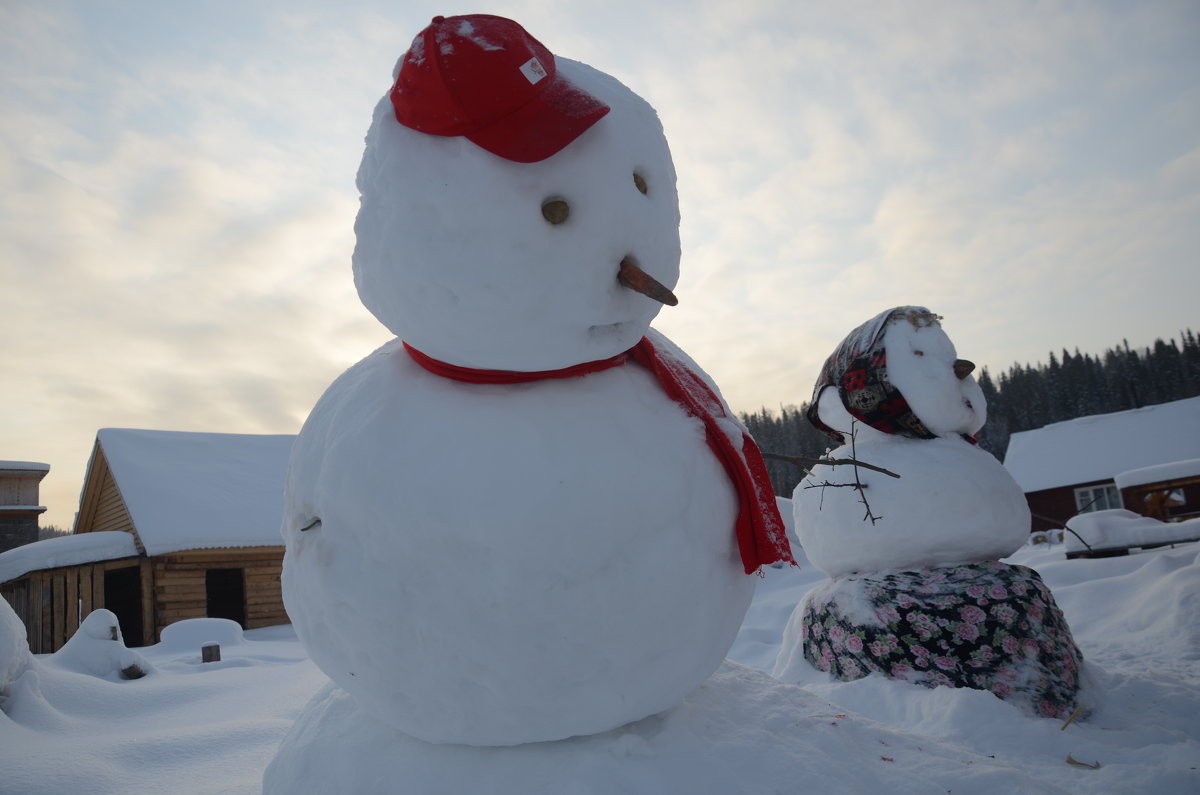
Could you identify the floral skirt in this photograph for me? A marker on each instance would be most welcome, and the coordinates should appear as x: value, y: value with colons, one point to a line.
x: 988, y: 626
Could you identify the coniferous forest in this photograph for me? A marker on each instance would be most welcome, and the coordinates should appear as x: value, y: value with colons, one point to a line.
x: 1069, y: 385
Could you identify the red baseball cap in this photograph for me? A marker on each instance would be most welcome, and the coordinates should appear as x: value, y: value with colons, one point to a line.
x: 485, y: 78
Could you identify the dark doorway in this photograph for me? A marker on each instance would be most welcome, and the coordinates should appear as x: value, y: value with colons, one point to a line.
x: 123, y: 596
x: 226, y: 593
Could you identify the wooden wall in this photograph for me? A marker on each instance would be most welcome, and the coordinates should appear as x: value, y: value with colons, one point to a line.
x: 102, y: 506
x: 53, y: 602
x: 179, y: 590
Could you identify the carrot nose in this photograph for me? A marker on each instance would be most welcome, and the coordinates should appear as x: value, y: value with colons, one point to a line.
x: 638, y: 280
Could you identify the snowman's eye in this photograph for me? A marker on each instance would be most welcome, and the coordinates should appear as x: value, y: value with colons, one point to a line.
x: 555, y: 210
x: 640, y: 181
x: 918, y: 353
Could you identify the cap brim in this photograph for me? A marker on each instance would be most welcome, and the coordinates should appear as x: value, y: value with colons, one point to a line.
x: 542, y: 128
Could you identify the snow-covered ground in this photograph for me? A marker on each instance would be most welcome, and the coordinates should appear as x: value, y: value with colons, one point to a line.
x: 212, y: 728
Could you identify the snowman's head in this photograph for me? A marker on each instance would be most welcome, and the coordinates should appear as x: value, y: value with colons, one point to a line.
x: 939, y: 387
x: 899, y: 374
x: 485, y: 262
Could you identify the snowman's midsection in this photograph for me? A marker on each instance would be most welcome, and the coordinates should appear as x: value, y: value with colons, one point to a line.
x: 553, y: 469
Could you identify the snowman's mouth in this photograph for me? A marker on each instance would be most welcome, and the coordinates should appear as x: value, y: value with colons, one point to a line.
x: 608, y: 330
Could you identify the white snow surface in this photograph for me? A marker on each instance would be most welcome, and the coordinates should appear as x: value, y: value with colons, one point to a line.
x: 189, y: 490
x: 1173, y: 470
x: 68, y: 550
x: 214, y: 728
x: 1099, y: 447
x: 1118, y: 528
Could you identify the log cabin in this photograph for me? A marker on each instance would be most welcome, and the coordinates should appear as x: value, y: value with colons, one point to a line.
x: 1073, y: 467
x: 171, y: 525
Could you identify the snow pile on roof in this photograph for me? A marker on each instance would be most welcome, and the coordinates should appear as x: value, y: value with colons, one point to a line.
x: 199, y: 490
x: 1097, y: 448
x: 1175, y: 470
x: 1118, y: 528
x: 25, y: 466
x: 66, y: 551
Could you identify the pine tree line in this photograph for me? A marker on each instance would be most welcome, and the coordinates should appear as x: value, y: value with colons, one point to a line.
x: 1021, y: 399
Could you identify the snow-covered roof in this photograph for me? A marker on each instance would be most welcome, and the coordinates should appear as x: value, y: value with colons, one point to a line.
x: 1174, y: 470
x: 199, y: 490
x: 25, y: 466
x: 1099, y: 447
x: 66, y: 551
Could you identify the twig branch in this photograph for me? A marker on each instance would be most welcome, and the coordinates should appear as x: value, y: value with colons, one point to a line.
x: 862, y: 490
x: 802, y: 462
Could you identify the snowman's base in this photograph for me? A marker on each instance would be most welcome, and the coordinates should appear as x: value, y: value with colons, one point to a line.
x: 741, y: 732
x: 988, y: 626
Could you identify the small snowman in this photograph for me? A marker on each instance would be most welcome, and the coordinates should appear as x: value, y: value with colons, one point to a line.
x: 529, y: 516
x: 913, y: 544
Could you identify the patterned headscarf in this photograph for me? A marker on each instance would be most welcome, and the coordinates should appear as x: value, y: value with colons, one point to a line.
x: 858, y: 368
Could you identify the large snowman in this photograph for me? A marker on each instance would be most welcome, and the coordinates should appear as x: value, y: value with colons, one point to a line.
x: 917, y: 590
x: 528, y: 517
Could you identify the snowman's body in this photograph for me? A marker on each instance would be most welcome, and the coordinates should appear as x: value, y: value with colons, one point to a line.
x: 494, y: 564
x: 917, y: 590
x: 504, y: 570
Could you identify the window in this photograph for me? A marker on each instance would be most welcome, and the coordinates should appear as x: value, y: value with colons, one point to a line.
x: 1097, y: 498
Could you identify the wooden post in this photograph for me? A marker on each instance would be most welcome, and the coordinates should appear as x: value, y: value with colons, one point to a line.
x: 210, y: 652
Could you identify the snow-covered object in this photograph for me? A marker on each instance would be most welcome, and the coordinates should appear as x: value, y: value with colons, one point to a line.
x: 953, y: 502
x: 98, y: 649
x: 192, y: 633
x: 1118, y: 528
x: 988, y: 626
x: 14, y: 648
x: 495, y: 564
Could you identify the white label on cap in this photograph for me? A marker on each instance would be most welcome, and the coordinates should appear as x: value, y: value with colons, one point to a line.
x: 533, y: 71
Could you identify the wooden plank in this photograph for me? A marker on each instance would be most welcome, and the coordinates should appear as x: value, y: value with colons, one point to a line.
x: 58, y: 597
x: 171, y: 580
x: 98, y: 586
x: 150, y: 626
x: 85, y: 591
x: 71, y: 604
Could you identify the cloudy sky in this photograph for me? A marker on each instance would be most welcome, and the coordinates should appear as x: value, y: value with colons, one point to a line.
x: 177, y: 185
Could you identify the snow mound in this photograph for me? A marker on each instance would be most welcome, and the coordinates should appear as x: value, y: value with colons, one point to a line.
x: 192, y: 633
x: 14, y: 648
x: 98, y: 649
x: 741, y: 732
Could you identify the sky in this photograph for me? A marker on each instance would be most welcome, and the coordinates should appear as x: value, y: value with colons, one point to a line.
x: 177, y: 191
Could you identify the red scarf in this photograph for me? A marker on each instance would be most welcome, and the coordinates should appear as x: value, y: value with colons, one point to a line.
x: 761, y: 536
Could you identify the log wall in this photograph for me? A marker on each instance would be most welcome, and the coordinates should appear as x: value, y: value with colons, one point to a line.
x: 52, y: 602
